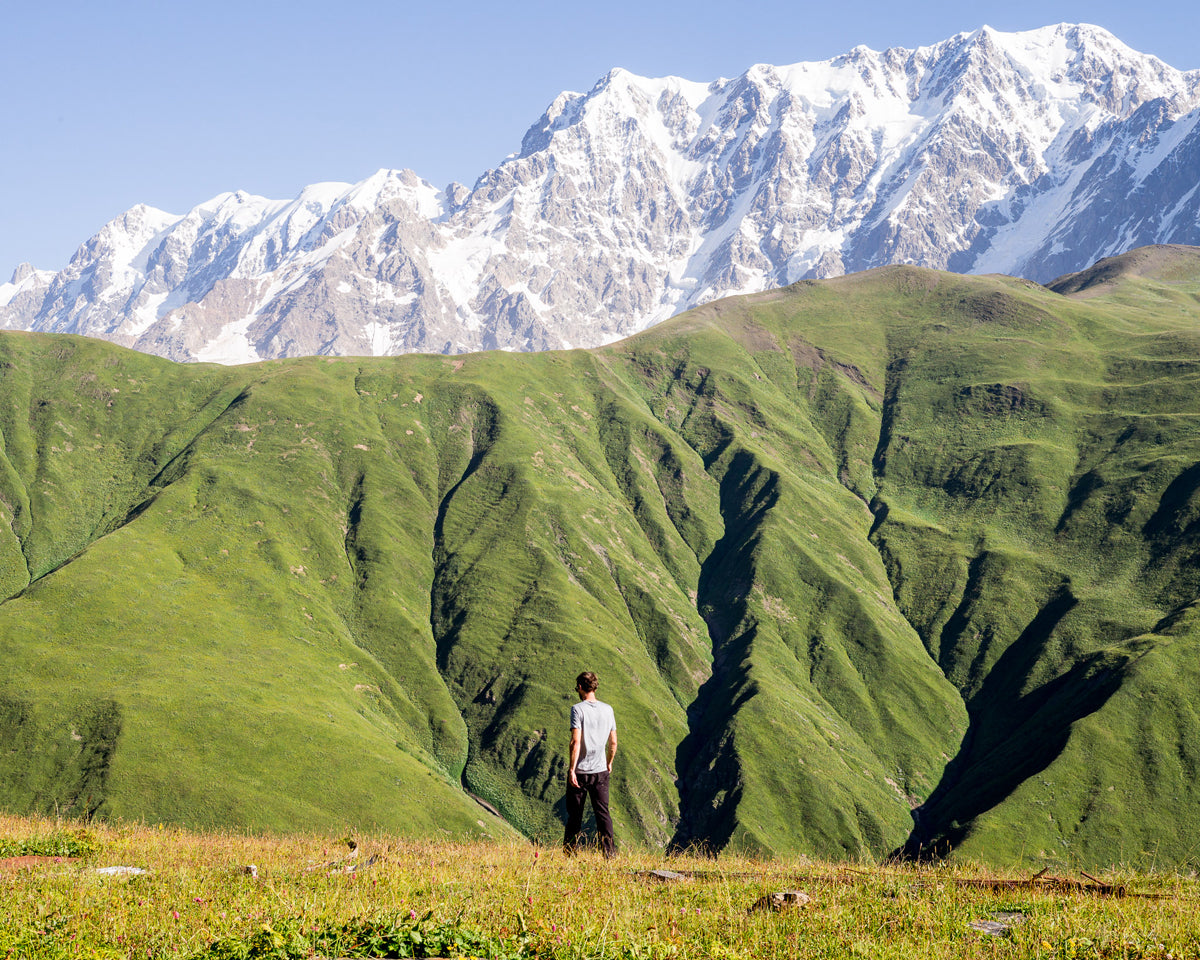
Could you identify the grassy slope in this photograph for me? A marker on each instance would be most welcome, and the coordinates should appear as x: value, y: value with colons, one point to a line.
x: 809, y: 539
x: 1037, y: 530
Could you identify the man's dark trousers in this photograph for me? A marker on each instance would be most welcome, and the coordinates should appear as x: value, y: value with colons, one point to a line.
x: 595, y: 787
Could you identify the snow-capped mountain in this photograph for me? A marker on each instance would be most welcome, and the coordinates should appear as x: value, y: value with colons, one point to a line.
x: 1030, y: 153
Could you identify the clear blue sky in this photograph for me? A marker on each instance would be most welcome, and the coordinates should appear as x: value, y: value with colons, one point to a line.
x: 108, y: 104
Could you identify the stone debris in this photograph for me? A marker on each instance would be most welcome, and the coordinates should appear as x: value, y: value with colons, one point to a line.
x: 345, y: 864
x: 1000, y: 925
x: 780, y: 900
x: 120, y: 871
x: 992, y: 928
x: 666, y: 876
x: 251, y: 870
x: 359, y: 867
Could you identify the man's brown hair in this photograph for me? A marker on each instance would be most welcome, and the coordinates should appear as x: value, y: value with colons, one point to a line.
x: 587, y: 681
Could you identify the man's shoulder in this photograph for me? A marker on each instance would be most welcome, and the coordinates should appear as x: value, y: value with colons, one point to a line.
x: 594, y: 707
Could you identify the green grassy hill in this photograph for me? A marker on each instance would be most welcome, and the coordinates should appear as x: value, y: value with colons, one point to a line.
x: 899, y: 561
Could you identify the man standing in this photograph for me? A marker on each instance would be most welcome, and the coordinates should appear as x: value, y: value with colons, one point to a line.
x: 593, y: 746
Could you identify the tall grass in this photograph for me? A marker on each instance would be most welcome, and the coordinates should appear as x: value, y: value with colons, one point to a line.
x: 520, y: 900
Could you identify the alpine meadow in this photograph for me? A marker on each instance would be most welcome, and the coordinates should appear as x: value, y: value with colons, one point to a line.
x: 899, y: 562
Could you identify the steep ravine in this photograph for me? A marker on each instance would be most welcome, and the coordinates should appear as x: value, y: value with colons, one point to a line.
x: 1001, y: 627
x: 706, y: 762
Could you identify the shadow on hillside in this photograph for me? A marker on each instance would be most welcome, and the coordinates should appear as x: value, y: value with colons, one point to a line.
x: 56, y: 759
x: 706, y: 760
x: 1012, y: 735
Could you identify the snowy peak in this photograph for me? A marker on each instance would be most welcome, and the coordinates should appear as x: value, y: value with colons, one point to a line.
x: 22, y: 296
x: 24, y: 272
x: 1033, y: 153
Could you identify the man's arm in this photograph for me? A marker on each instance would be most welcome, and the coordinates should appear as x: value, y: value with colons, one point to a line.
x: 611, y: 749
x: 575, y: 744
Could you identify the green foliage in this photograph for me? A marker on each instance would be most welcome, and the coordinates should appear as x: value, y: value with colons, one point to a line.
x: 902, y: 561
x: 381, y: 937
x: 61, y: 843
x: 46, y: 942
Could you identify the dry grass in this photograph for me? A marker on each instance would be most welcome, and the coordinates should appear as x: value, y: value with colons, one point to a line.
x: 528, y: 901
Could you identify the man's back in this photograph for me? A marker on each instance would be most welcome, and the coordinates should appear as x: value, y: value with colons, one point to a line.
x: 594, y: 720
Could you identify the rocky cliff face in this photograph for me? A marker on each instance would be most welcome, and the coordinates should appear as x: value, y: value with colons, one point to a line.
x: 1031, y: 153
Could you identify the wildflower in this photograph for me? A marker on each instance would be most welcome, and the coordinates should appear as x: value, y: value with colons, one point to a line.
x: 412, y: 914
x: 175, y: 914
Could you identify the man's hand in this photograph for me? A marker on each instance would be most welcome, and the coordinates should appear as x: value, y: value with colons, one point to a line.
x: 572, y: 779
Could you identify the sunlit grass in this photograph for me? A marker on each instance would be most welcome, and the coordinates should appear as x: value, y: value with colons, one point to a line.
x: 521, y: 900
x: 893, y: 541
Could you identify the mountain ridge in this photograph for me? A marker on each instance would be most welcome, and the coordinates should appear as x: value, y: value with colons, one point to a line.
x: 645, y: 197
x: 901, y: 561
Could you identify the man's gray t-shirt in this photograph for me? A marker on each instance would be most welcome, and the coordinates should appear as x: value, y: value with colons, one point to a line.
x: 594, y: 720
